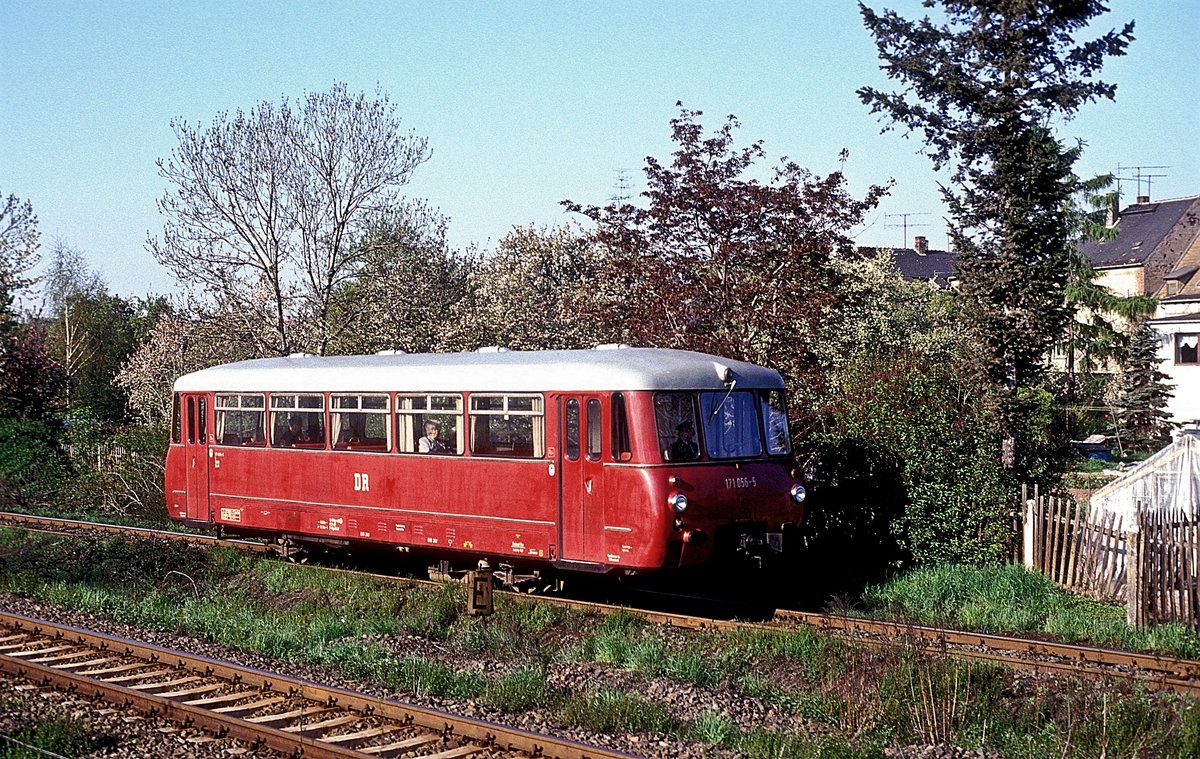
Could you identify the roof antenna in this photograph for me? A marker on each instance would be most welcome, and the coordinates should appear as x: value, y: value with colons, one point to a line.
x: 904, y: 222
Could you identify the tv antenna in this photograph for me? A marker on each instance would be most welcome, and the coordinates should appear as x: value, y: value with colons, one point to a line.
x: 622, y: 187
x: 1140, y: 174
x: 904, y: 223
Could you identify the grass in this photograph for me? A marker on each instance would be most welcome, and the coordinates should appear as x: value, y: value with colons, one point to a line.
x: 857, y: 700
x: 1012, y: 599
x: 65, y: 737
x: 613, y: 711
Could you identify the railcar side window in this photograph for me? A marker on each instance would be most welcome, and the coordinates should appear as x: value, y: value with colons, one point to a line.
x: 593, y: 429
x: 191, y: 420
x: 621, y: 450
x: 241, y: 420
x: 775, y: 423
x: 508, y: 425
x: 202, y: 420
x: 298, y: 421
x: 360, y: 422
x: 428, y: 423
x: 675, y: 416
x: 176, y: 420
x: 571, y: 433
x: 730, y: 425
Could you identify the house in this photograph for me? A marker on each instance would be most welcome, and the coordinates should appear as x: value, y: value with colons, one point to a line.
x: 1157, y: 252
x: 921, y: 263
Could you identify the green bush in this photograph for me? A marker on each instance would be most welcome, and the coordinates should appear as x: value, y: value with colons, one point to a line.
x: 117, y: 471
x: 908, y: 466
x: 32, y: 465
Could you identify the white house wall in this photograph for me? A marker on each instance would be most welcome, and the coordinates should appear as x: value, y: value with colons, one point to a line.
x: 1184, y: 406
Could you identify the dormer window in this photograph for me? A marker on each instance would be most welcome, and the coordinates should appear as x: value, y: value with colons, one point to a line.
x: 1172, y: 287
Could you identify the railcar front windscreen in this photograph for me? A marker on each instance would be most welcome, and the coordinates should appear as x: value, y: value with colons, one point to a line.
x: 731, y: 425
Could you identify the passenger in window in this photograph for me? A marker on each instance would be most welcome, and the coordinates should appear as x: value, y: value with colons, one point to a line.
x: 294, y: 432
x: 430, y: 442
x: 353, y: 434
x: 684, y: 448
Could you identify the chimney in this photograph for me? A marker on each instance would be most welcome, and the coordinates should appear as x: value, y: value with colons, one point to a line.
x: 1142, y: 199
x: 921, y: 245
x: 1113, y: 210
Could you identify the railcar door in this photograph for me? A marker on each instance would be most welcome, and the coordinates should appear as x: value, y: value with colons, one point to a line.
x: 581, y: 510
x: 195, y: 445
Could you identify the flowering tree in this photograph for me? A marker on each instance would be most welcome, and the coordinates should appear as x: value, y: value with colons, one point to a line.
x: 546, y: 288
x: 412, y: 290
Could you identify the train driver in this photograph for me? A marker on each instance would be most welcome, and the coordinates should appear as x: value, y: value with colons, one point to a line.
x: 684, y: 448
x: 430, y: 442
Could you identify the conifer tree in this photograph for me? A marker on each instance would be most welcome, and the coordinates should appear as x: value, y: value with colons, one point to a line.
x: 984, y: 83
x: 1142, y: 395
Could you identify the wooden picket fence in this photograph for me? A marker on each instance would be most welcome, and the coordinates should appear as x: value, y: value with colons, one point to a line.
x: 1150, y: 564
x: 1075, y: 553
x: 1163, y: 569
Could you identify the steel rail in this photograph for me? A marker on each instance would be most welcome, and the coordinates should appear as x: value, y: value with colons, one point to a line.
x: 1183, y: 669
x: 1161, y: 672
x: 253, y: 683
x: 58, y: 524
x: 1157, y: 672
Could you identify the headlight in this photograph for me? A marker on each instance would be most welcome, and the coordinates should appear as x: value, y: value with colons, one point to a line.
x: 798, y: 493
x: 678, y: 501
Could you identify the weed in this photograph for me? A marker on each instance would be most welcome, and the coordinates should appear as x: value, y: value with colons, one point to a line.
x: 611, y: 646
x: 1012, y: 599
x: 66, y: 737
x: 421, y: 676
x: 431, y: 612
x: 613, y: 711
x: 713, y: 728
x: 774, y: 743
x: 520, y: 690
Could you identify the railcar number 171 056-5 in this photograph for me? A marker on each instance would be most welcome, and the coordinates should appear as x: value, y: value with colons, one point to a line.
x: 614, y: 459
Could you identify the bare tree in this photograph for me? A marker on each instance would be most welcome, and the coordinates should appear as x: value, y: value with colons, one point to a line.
x: 70, y: 282
x: 19, y: 238
x: 264, y: 208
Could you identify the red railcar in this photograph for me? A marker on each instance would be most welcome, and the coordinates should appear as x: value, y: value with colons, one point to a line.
x: 614, y: 459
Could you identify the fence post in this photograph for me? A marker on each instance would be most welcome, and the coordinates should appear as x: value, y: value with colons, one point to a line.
x: 1133, y: 573
x: 1027, y: 507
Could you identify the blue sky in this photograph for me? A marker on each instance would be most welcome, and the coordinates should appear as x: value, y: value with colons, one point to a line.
x: 524, y: 103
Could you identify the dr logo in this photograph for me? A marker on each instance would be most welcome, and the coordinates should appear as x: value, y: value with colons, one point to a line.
x: 361, y: 482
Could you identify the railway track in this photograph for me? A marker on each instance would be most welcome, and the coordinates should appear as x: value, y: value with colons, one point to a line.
x: 1060, y: 659
x: 294, y: 717
x: 59, y: 525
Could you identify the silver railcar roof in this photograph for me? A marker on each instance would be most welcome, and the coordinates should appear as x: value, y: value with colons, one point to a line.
x: 505, y: 371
